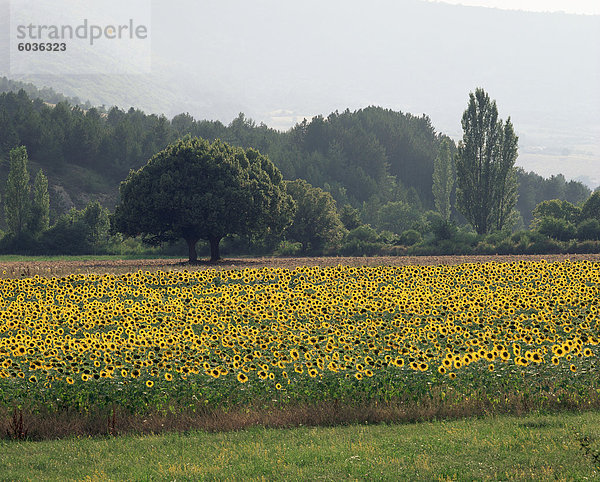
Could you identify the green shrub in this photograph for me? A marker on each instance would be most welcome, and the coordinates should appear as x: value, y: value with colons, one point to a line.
x: 541, y: 244
x: 357, y: 247
x: 483, y: 247
x: 389, y: 238
x: 288, y: 248
x: 588, y: 229
x: 584, y: 247
x: 410, y: 237
x: 556, y: 228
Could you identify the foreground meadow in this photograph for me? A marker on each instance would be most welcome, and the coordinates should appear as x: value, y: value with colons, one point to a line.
x: 547, y: 447
x: 149, y: 351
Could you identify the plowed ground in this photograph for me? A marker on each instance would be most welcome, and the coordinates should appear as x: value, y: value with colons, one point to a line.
x: 19, y: 269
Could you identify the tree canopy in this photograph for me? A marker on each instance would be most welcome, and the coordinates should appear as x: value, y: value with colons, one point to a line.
x: 17, y: 202
x: 486, y: 176
x: 443, y: 179
x: 316, y: 221
x: 197, y: 190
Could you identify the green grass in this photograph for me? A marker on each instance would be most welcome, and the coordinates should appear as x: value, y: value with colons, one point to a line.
x: 502, y: 448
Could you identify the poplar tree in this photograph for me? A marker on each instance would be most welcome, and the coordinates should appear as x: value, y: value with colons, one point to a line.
x: 486, y: 177
x: 17, y: 202
x: 443, y: 179
x: 40, y: 206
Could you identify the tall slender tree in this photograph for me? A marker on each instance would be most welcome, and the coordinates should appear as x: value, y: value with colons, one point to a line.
x: 17, y: 202
x: 443, y: 179
x: 39, y: 218
x: 486, y: 176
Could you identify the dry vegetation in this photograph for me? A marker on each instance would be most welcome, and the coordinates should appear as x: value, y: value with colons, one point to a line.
x: 19, y: 269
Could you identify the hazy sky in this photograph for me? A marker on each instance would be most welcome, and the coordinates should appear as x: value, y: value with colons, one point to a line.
x: 280, y: 62
x: 587, y: 7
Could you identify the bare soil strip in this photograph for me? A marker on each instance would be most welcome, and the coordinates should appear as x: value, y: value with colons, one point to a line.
x: 13, y: 269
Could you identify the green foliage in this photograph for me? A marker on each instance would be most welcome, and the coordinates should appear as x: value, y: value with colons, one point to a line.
x: 588, y: 230
x: 364, y: 156
x: 557, y: 228
x: 555, y: 208
x: 39, y: 216
x: 288, y: 248
x: 78, y: 232
x: 16, y: 198
x: 316, y: 222
x: 366, y: 159
x: 486, y: 177
x: 350, y: 217
x: 96, y: 218
x: 389, y: 238
x: 68, y: 235
x: 197, y: 190
x: 444, y: 176
x: 397, y: 217
x: 362, y: 241
x: 533, y: 189
x: 443, y: 230
x: 410, y: 237
x: 591, y: 207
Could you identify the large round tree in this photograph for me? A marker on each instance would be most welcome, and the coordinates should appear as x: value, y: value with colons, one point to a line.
x: 197, y: 190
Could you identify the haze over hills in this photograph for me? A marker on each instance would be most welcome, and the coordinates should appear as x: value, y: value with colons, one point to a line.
x: 280, y: 62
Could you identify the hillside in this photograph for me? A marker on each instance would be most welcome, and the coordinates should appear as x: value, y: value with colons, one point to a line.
x: 409, y: 56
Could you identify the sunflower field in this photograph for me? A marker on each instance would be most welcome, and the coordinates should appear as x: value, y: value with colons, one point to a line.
x: 165, y: 341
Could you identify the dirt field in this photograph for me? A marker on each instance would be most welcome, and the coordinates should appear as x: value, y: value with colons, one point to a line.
x: 20, y: 269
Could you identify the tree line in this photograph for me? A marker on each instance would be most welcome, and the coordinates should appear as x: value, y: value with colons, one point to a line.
x: 197, y: 190
x: 382, y: 181
x: 365, y: 158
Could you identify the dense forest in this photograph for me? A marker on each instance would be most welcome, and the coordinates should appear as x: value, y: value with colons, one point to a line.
x: 375, y: 162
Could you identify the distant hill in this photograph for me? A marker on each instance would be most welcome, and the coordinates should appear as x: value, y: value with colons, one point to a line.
x: 281, y: 62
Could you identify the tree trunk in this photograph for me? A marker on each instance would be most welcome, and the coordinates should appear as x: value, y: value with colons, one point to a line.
x: 192, y: 250
x: 214, y: 249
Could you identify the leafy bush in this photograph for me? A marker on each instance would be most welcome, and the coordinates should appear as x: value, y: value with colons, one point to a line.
x: 397, y: 216
x: 557, y: 228
x: 410, y: 237
x: 363, y: 233
x: 555, y: 208
x: 584, y: 247
x: 288, y: 248
x: 25, y: 243
x: 362, y: 241
x: 484, y: 247
x: 591, y: 208
x: 588, y: 229
x: 541, y: 244
x: 389, y: 238
x: 443, y: 230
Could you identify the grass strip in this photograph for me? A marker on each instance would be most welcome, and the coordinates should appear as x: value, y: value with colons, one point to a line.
x: 537, y: 447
